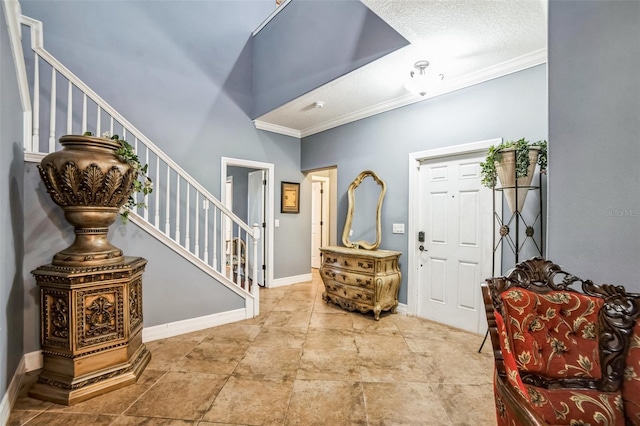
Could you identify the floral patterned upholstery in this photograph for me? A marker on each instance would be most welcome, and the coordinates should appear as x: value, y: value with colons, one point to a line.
x: 577, y: 407
x: 558, y: 406
x: 510, y: 365
x: 561, y: 356
x: 554, y: 334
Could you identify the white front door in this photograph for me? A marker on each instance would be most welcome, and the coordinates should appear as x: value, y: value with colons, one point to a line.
x: 256, y: 216
x: 455, y: 214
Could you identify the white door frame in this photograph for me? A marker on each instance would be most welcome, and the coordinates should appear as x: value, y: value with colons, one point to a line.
x: 325, y: 210
x: 415, y: 159
x: 269, y: 202
x: 261, y: 244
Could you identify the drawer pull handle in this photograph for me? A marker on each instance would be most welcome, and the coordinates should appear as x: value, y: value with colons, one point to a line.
x: 365, y: 265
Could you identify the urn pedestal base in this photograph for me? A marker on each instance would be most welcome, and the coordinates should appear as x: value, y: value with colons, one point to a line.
x: 91, y: 330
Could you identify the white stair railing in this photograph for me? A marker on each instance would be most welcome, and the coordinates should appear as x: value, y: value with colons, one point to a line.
x: 180, y: 212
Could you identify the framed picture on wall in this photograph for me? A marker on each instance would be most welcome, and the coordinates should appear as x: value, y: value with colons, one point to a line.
x: 290, y: 198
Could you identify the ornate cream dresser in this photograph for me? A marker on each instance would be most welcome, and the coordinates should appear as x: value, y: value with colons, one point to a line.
x: 363, y: 280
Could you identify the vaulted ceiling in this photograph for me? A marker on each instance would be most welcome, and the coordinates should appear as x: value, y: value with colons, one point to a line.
x: 468, y: 41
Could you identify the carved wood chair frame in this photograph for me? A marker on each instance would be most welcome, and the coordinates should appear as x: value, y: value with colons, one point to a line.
x: 616, y: 320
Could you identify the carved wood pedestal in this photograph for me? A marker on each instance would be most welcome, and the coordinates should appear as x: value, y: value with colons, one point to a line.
x: 363, y: 280
x: 91, y: 330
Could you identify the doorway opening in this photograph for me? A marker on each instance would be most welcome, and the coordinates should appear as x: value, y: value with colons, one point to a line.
x: 323, y: 212
x: 450, y: 248
x: 253, y: 201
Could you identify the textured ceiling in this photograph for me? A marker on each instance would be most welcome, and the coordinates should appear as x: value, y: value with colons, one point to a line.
x: 468, y: 41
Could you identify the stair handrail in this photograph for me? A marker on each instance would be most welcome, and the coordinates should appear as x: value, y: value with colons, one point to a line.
x: 32, y: 153
x: 38, y: 47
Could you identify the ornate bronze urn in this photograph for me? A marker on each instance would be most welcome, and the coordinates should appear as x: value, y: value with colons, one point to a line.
x: 90, y: 182
x: 91, y: 295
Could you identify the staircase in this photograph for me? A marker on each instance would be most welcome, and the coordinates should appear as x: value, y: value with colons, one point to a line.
x: 180, y: 212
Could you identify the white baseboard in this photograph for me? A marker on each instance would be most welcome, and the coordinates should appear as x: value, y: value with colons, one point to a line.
x: 280, y: 282
x: 190, y: 325
x: 402, y: 309
x: 33, y: 361
x: 11, y: 395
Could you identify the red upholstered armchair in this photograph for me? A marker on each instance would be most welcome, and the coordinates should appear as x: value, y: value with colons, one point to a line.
x: 563, y: 357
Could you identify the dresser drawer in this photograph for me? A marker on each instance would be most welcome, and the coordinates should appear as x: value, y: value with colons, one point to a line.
x: 351, y: 263
x: 347, y: 277
x: 347, y: 292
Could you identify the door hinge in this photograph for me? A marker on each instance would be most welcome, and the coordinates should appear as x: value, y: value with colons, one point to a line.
x: 264, y: 267
x: 264, y: 224
x: 264, y: 182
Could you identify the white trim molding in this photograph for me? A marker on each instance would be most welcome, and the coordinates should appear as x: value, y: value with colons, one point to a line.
x: 33, y: 157
x: 226, y: 162
x: 295, y: 279
x: 9, y: 398
x: 177, y: 328
x: 520, y: 63
x: 13, y: 14
x: 415, y: 158
x: 274, y: 128
x: 33, y: 361
x: 402, y: 309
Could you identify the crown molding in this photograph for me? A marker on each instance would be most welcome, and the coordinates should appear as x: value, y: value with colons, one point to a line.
x: 287, y: 131
x: 529, y: 60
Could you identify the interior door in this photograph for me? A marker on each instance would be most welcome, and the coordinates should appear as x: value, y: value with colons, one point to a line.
x: 319, y: 219
x: 456, y: 218
x: 256, y: 214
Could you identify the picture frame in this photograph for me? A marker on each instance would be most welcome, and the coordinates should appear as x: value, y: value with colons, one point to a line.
x: 290, y: 197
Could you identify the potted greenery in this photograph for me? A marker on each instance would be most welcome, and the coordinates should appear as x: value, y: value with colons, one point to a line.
x: 513, y: 164
x: 93, y: 179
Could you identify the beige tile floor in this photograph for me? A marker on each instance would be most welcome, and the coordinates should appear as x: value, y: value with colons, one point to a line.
x: 301, y: 362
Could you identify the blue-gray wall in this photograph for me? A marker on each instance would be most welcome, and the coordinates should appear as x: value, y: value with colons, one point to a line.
x: 510, y: 107
x: 309, y: 43
x: 173, y: 288
x: 594, y: 139
x: 181, y: 73
x: 11, y: 219
x: 240, y: 177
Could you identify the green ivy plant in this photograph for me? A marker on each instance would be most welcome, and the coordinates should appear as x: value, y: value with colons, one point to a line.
x: 488, y: 168
x: 128, y: 155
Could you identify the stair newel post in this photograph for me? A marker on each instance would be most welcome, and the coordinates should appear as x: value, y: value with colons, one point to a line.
x: 255, y: 291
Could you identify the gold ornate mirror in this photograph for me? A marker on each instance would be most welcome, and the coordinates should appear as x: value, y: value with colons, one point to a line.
x: 362, y: 228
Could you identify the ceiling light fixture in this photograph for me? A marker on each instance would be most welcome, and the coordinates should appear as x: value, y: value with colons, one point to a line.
x: 420, y: 82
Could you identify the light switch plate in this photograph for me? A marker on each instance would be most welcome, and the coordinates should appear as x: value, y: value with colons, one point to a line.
x: 398, y: 228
